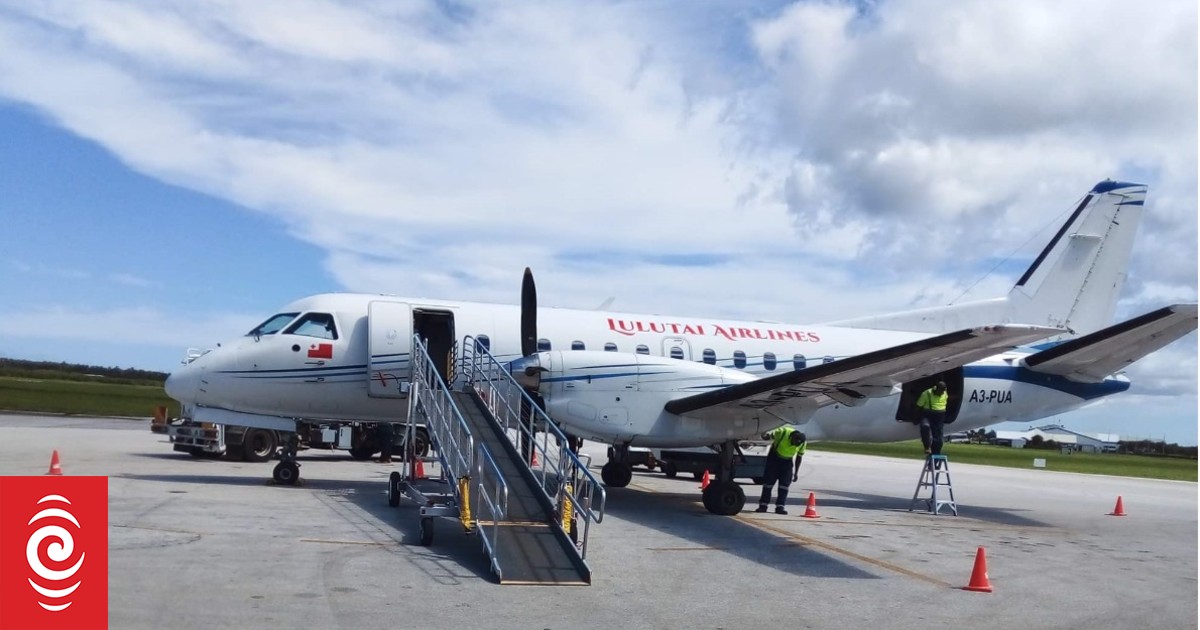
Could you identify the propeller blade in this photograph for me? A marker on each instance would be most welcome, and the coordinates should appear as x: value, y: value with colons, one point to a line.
x: 528, y: 314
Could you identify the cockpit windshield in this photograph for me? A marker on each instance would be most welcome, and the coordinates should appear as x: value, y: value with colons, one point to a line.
x: 319, y: 325
x: 273, y: 324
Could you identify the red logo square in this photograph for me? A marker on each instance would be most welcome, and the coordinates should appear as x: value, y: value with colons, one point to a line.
x: 53, y: 553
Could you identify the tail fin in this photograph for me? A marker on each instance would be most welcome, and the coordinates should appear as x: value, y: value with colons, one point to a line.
x: 1073, y: 283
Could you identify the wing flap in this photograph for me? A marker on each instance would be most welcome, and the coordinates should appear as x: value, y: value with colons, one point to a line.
x: 1093, y: 357
x: 869, y: 374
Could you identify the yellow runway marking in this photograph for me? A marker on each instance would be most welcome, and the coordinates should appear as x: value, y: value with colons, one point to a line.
x: 805, y: 540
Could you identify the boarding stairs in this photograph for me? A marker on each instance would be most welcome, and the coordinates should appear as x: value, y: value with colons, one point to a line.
x: 533, y: 520
x: 935, y: 475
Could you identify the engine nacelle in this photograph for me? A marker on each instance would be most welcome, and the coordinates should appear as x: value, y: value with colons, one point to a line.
x: 614, y: 396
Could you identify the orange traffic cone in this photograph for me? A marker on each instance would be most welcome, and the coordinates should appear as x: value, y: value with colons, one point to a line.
x: 55, y: 466
x: 704, y: 480
x: 1120, y: 509
x: 419, y: 470
x: 811, y: 510
x: 533, y: 460
x: 979, y: 577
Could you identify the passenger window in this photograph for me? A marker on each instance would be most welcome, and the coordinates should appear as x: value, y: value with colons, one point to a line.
x: 482, y: 342
x: 827, y: 359
x: 610, y: 347
x: 643, y: 349
x: 577, y: 345
x: 710, y: 356
x: 739, y: 359
x: 769, y: 361
x: 543, y: 345
x: 676, y: 352
x: 319, y: 325
x: 799, y: 362
x: 273, y: 324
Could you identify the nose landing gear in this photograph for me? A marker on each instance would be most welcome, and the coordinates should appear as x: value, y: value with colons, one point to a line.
x: 723, y: 496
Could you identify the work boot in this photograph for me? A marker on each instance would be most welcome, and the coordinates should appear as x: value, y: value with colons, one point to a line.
x: 779, y: 509
x: 761, y: 509
x: 384, y: 460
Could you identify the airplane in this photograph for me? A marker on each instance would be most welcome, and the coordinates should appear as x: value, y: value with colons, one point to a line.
x: 630, y: 379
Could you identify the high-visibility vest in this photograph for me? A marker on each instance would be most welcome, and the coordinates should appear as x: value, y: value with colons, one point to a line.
x: 781, y: 443
x: 933, y: 402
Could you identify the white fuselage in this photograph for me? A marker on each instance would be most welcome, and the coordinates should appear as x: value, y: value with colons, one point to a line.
x: 357, y: 375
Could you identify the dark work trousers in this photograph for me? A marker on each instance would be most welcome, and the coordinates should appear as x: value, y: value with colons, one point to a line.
x: 776, y: 469
x: 931, y: 430
x: 385, y: 437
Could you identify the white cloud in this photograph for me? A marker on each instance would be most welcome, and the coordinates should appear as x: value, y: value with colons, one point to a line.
x: 833, y: 160
x: 134, y: 326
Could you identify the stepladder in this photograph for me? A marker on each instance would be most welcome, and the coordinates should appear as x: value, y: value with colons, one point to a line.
x: 934, y: 489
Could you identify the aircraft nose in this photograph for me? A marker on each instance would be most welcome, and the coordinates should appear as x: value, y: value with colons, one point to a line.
x: 181, y: 384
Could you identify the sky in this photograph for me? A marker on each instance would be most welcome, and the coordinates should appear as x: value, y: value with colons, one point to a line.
x: 171, y: 173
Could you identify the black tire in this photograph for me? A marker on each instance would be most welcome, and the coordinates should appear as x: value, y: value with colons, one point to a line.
x: 286, y: 473
x: 724, y: 498
x: 420, y: 443
x: 258, y: 445
x: 669, y: 469
x: 698, y: 475
x: 364, y: 451
x: 394, y: 489
x: 426, y: 529
x: 616, y: 475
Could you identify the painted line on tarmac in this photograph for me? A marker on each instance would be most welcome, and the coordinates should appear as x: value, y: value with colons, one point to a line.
x: 805, y: 540
x: 346, y: 542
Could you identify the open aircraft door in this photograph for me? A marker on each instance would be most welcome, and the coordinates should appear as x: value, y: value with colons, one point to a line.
x: 389, y: 350
x: 907, y: 409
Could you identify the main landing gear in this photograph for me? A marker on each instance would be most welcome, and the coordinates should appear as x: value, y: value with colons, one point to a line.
x: 618, y: 472
x: 287, y: 471
x: 723, y: 496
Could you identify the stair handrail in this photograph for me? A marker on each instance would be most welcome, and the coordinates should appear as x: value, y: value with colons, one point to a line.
x: 564, y: 477
x: 461, y: 455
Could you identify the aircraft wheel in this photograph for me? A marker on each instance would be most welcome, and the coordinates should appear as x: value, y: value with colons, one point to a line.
x: 426, y: 531
x: 616, y: 475
x: 669, y: 470
x: 724, y: 498
x: 394, y: 481
x: 286, y: 473
x: 258, y: 445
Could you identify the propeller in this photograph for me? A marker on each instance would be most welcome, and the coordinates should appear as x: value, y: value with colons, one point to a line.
x: 528, y: 370
x: 528, y: 314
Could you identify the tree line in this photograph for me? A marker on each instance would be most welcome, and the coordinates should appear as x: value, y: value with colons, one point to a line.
x: 20, y: 368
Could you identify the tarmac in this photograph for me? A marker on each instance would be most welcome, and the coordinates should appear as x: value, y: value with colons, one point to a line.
x: 215, y: 544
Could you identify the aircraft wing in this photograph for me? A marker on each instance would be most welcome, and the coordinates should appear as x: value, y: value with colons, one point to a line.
x: 861, y: 376
x: 1092, y: 357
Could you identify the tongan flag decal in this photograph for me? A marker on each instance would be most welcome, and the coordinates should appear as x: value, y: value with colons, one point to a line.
x: 320, y: 351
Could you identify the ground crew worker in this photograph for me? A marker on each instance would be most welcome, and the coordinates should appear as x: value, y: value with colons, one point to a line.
x: 931, y: 405
x: 787, y: 444
x: 384, y: 435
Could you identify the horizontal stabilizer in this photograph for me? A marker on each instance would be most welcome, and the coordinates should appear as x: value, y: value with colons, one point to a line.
x: 865, y: 375
x: 1091, y: 358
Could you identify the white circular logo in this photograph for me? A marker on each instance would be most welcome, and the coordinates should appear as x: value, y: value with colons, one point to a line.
x: 59, y: 551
